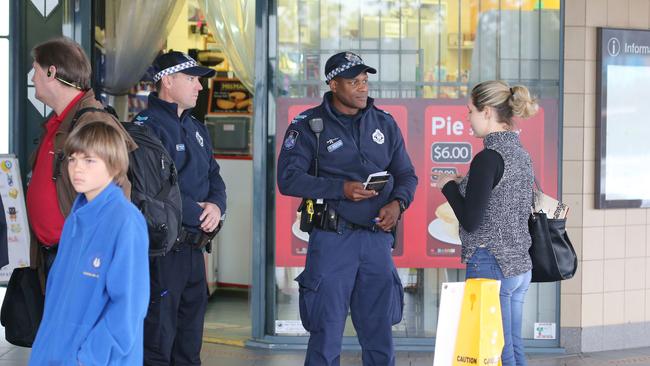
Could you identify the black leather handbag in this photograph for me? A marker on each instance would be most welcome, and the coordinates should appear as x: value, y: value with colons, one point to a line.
x: 22, y: 307
x: 552, y: 253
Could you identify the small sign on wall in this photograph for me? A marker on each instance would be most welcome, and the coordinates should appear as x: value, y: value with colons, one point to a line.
x: 544, y: 331
x: 290, y: 327
x: 229, y: 96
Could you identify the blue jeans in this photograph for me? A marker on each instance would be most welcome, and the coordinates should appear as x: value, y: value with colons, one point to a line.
x: 512, y: 294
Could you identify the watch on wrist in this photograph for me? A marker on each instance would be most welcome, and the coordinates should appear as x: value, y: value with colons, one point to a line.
x: 402, y: 205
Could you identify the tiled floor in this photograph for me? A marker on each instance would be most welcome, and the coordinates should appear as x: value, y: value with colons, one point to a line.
x: 215, y: 354
x: 228, y: 322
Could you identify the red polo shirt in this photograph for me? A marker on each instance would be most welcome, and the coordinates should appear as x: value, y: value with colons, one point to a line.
x: 45, y: 216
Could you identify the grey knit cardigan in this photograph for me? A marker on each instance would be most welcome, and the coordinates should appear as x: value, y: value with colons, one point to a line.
x: 504, y: 228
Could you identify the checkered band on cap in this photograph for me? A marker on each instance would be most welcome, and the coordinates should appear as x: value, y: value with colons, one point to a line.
x: 174, y: 69
x: 332, y: 74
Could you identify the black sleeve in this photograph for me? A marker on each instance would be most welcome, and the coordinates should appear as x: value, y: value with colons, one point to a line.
x: 485, y: 173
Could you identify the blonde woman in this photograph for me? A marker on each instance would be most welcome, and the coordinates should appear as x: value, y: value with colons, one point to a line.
x: 492, y: 203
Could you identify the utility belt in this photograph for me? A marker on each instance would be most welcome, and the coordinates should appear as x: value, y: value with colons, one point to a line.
x: 318, y: 214
x: 198, y: 239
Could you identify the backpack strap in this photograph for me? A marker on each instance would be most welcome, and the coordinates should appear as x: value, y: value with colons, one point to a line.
x: 88, y: 109
x: 59, y: 155
x: 167, y: 185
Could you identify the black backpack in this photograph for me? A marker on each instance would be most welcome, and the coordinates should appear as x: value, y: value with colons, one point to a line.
x: 154, y: 185
x: 22, y: 307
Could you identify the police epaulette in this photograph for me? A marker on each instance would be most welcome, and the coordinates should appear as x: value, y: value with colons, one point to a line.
x: 381, y: 110
x: 140, y: 119
x: 301, y: 116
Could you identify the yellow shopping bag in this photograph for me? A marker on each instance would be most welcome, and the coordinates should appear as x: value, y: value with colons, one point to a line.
x: 480, y: 331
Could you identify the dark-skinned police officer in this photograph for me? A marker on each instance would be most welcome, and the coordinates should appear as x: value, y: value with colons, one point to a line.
x: 173, y: 328
x: 349, y: 263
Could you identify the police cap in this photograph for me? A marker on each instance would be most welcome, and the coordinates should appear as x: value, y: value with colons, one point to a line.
x: 173, y: 62
x: 346, y: 65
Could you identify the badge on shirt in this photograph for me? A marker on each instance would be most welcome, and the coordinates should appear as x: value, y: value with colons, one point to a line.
x: 333, y: 144
x: 290, y: 141
x: 93, y: 272
x: 378, y: 137
x: 199, y: 138
x: 180, y: 147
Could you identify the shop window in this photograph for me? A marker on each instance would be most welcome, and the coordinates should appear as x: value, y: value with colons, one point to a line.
x: 428, y: 53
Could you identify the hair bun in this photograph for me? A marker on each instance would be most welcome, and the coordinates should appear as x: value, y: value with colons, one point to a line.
x: 522, y: 104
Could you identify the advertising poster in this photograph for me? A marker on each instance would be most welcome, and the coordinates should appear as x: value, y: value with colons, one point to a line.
x: 229, y: 96
x: 449, y: 146
x: 438, y: 139
x: 11, y: 191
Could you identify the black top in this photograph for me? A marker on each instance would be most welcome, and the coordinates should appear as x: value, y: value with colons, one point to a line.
x: 486, y: 172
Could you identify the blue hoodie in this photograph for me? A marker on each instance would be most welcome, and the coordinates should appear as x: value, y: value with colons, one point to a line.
x: 98, y: 288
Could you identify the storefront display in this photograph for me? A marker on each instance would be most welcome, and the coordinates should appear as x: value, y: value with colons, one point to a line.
x: 438, y: 139
x: 428, y: 54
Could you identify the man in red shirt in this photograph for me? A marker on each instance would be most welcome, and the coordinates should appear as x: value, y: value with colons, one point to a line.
x: 62, y: 75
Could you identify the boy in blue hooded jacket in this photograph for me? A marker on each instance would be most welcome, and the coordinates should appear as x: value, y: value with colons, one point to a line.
x: 98, y: 287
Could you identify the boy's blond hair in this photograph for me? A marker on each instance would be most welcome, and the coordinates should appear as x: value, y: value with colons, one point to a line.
x: 104, y: 141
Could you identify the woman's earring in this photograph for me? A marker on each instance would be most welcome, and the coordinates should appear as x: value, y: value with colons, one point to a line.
x: 49, y: 73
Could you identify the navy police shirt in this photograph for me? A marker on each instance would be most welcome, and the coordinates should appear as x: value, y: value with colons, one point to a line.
x: 342, y: 157
x: 188, y: 143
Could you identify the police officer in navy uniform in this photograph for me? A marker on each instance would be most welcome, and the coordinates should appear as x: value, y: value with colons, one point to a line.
x: 174, y: 322
x: 349, y: 263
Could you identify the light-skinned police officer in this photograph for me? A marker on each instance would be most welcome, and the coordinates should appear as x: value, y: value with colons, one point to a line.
x: 349, y: 263
x: 173, y: 329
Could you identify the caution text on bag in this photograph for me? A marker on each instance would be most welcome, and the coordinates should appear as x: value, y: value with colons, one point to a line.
x: 480, y: 331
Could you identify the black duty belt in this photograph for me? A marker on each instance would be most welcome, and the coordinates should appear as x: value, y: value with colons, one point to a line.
x: 194, y: 239
x: 327, y: 219
x: 353, y: 226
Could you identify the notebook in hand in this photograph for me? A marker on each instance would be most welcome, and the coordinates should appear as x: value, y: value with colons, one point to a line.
x: 376, y: 181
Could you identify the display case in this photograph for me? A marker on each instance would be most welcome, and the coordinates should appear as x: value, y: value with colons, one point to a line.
x: 230, y: 133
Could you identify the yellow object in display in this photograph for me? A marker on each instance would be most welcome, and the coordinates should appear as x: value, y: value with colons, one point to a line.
x: 480, y: 331
x: 519, y: 4
x: 550, y: 4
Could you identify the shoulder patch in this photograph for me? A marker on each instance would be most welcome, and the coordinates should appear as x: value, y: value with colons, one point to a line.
x: 290, y: 141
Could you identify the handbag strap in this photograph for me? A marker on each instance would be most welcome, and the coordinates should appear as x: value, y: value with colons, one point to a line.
x: 539, y: 188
